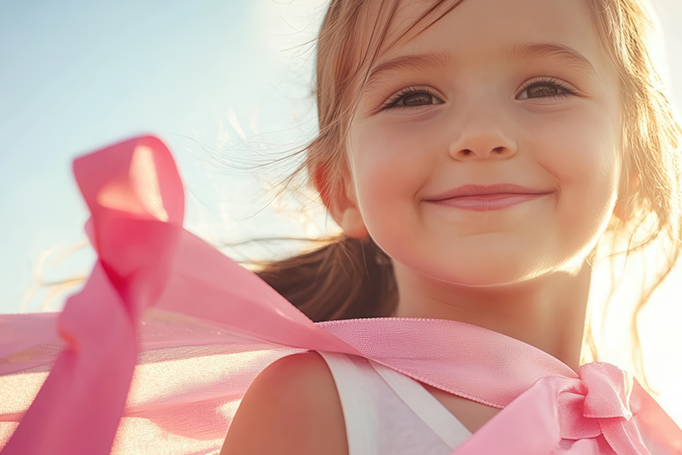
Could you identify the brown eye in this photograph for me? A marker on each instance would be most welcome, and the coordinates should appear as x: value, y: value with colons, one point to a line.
x: 412, y: 97
x: 418, y: 99
x: 539, y: 89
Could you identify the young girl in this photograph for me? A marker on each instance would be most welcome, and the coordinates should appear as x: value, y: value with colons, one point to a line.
x: 475, y: 154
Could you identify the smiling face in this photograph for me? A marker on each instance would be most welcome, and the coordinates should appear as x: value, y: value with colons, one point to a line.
x: 485, y: 149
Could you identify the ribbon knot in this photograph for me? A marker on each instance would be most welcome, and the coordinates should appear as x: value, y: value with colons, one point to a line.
x: 598, y: 404
x: 608, y: 390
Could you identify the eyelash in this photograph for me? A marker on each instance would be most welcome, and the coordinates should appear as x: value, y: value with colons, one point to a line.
x: 392, y: 102
x: 565, y: 91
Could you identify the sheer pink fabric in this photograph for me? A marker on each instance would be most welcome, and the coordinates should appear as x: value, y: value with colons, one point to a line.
x: 154, y: 354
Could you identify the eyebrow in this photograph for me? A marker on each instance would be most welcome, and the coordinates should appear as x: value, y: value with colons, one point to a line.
x: 525, y: 51
x: 565, y: 54
x: 408, y: 62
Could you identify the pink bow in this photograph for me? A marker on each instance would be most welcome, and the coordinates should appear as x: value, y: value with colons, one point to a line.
x: 590, y: 414
x: 600, y: 405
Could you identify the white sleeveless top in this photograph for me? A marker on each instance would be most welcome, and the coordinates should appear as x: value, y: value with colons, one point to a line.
x: 387, y: 412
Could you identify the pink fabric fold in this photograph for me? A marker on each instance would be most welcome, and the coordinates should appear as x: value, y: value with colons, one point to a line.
x: 155, y: 353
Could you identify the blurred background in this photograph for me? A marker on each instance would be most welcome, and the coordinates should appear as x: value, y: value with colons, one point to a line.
x: 227, y: 84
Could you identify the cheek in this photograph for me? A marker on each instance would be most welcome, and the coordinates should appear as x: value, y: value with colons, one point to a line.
x: 583, y: 156
x: 390, y: 164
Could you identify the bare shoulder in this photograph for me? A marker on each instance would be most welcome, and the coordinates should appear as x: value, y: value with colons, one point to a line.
x: 292, y: 407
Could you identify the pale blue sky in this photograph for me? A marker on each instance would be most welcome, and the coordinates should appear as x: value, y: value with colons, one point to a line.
x: 78, y: 75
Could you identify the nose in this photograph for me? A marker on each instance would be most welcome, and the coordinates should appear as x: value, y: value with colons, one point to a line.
x: 481, y: 141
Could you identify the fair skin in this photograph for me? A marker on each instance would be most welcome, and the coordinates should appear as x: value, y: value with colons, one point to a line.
x: 493, y: 108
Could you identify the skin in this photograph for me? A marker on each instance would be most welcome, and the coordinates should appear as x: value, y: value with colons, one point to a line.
x: 520, y: 270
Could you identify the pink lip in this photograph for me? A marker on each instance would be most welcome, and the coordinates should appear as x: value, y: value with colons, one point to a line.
x: 480, y: 190
x: 487, y: 197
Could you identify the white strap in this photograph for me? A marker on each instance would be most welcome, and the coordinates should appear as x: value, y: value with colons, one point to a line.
x: 358, y: 413
x: 425, y: 406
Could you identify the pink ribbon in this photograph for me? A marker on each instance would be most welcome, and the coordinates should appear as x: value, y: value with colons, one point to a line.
x: 146, y: 259
x: 556, y: 409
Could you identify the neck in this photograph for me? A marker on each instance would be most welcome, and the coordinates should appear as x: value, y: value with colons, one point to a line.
x: 546, y: 312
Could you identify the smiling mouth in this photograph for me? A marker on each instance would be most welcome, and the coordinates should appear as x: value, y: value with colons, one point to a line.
x: 486, y: 202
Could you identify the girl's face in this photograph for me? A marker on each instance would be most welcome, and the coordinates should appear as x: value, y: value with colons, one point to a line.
x: 485, y: 150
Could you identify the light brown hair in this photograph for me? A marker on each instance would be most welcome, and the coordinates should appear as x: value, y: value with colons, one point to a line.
x: 349, y: 278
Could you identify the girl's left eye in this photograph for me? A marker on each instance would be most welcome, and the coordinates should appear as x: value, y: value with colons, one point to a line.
x: 545, y: 88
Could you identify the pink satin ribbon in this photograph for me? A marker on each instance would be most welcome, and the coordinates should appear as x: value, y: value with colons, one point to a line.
x: 146, y: 259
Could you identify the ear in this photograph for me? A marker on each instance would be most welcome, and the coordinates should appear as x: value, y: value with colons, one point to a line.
x: 341, y: 202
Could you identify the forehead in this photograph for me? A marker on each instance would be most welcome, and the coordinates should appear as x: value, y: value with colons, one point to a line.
x: 490, y: 30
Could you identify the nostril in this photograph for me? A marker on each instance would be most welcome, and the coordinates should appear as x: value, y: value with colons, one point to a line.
x: 484, y: 153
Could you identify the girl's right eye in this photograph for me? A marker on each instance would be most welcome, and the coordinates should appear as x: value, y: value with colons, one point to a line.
x: 412, y: 97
